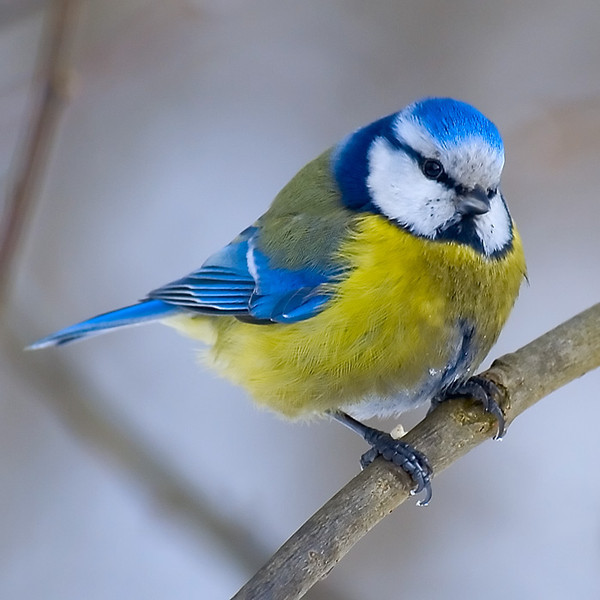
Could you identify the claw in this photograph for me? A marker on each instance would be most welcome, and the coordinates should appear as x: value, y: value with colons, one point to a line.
x: 425, y: 501
x: 483, y: 391
x: 399, y: 453
x: 368, y: 457
x: 404, y: 456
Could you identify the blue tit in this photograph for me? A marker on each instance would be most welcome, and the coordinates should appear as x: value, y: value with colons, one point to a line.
x: 378, y: 279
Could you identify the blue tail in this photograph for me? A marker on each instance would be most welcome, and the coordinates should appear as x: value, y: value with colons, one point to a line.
x: 148, y: 310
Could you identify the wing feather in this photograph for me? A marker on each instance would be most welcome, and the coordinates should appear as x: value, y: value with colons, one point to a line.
x: 239, y: 281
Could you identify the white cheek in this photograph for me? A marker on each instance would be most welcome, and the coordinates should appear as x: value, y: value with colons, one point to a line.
x: 494, y: 227
x: 404, y: 194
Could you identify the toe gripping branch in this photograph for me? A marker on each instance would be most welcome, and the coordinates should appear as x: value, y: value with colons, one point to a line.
x: 403, y: 455
x: 399, y: 453
x: 482, y: 390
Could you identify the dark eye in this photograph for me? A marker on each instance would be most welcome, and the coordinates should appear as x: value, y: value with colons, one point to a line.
x: 492, y: 192
x: 432, y: 169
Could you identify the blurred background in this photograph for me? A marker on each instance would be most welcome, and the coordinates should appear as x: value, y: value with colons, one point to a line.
x: 126, y: 471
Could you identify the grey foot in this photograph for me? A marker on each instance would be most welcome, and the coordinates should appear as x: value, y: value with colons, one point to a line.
x: 402, y: 455
x: 483, y: 391
x: 399, y: 453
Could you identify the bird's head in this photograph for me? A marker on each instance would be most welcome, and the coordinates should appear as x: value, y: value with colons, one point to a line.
x: 434, y: 169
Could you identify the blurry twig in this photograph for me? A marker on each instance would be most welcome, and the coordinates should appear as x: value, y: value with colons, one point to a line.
x: 52, y: 71
x: 108, y: 432
x: 525, y: 376
x: 90, y: 419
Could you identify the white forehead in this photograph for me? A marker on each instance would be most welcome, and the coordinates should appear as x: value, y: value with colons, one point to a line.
x: 470, y: 160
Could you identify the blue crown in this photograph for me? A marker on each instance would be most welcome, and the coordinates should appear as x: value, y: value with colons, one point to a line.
x: 451, y: 122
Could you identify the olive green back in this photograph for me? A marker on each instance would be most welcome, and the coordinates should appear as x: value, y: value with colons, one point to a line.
x: 319, y: 222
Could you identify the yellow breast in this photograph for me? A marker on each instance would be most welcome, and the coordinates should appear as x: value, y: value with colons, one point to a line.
x: 392, y: 321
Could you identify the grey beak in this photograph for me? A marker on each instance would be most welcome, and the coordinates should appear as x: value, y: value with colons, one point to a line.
x: 473, y: 202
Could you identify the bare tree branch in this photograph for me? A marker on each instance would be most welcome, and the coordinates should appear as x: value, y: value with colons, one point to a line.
x: 525, y: 376
x: 52, y: 70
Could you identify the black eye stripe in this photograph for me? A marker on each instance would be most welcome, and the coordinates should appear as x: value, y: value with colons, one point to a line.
x: 450, y: 183
x: 444, y: 178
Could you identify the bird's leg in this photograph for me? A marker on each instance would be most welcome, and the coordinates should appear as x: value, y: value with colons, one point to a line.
x: 481, y: 390
x: 399, y: 453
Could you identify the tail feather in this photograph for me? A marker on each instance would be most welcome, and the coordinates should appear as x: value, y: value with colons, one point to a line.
x: 136, y: 314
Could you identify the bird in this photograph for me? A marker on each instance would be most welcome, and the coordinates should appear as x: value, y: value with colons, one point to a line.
x: 377, y: 280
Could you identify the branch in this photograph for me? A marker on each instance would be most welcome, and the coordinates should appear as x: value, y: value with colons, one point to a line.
x: 525, y: 376
x: 52, y: 70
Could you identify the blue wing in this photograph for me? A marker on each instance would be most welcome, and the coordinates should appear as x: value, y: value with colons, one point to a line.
x: 239, y: 281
